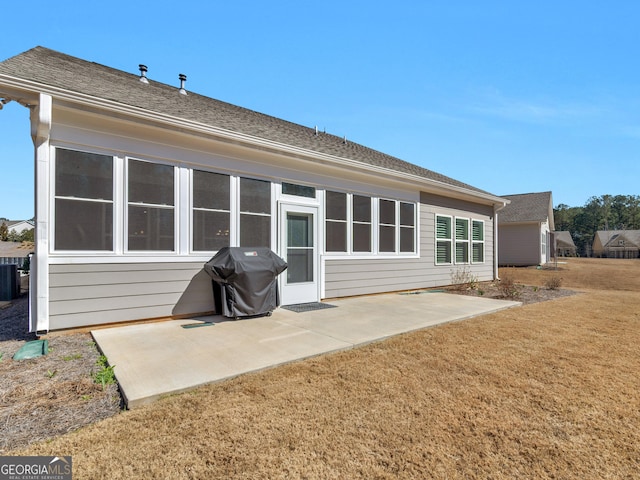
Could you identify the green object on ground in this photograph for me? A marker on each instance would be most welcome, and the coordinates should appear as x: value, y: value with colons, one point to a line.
x: 197, y: 325
x: 33, y: 349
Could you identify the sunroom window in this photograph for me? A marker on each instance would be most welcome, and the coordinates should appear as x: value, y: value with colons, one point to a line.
x: 83, y: 201
x: 361, y: 232
x: 387, y: 225
x: 151, y: 206
x: 255, y: 213
x: 336, y: 222
x: 407, y: 227
x: 211, y: 211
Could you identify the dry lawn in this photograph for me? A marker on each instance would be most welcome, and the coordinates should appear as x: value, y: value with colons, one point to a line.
x: 547, y: 390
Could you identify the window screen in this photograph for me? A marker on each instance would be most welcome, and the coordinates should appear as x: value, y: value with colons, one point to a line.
x: 83, y: 201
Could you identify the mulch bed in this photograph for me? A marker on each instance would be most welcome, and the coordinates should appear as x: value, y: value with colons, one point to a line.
x: 48, y: 396
x: 54, y: 394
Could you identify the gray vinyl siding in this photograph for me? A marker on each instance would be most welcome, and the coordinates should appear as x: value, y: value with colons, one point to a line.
x: 347, y: 277
x: 93, y: 294
x: 519, y: 245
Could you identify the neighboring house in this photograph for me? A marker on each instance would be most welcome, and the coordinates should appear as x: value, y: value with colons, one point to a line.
x: 564, y: 246
x: 139, y: 184
x: 524, y: 229
x: 19, y: 226
x: 617, y: 244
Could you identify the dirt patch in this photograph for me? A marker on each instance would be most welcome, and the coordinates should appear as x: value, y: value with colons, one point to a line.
x: 51, y: 395
x: 547, y: 390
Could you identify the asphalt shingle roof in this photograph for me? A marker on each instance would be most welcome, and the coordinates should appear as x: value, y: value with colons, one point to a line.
x: 59, y: 70
x: 526, y: 207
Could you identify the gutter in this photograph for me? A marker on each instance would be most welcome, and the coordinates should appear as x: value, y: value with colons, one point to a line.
x: 496, y: 209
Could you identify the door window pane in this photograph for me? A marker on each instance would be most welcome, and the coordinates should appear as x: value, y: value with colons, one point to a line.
x: 300, y: 248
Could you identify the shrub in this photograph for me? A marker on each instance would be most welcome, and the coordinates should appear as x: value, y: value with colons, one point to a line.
x: 463, y: 279
x: 553, y: 283
x: 508, y: 287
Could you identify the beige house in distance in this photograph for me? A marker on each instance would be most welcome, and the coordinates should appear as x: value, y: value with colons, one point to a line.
x: 524, y: 230
x: 617, y: 244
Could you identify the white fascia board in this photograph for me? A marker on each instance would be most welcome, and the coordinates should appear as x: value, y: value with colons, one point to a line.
x: 249, y: 140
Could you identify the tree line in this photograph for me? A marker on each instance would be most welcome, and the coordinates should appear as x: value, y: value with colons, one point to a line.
x: 606, y: 212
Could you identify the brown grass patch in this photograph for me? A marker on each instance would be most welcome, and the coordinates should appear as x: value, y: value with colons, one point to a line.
x: 548, y: 390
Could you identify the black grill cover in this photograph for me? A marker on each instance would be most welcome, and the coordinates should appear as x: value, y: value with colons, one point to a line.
x: 246, y: 279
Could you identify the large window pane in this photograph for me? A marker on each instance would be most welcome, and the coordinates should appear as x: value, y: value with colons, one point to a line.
x: 151, y: 183
x: 255, y: 196
x: 210, y: 230
x: 407, y: 214
x: 151, y: 228
x: 361, y: 209
x: 336, y: 236
x: 443, y: 252
x: 83, y: 175
x: 83, y: 225
x: 387, y: 239
x: 210, y: 190
x: 387, y: 212
x: 255, y: 231
x: 336, y: 206
x: 361, y: 237
x: 407, y: 239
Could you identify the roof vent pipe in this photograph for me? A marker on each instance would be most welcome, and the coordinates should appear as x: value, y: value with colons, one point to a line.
x: 143, y: 73
x: 183, y: 78
x: 316, y: 130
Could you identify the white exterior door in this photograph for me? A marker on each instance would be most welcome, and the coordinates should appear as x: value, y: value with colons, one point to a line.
x: 299, y: 248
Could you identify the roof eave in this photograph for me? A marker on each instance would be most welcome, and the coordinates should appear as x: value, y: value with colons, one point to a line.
x: 27, y: 92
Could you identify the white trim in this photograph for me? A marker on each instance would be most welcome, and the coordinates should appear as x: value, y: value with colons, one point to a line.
x: 40, y: 132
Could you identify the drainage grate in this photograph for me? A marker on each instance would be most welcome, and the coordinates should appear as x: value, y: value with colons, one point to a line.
x: 307, y: 307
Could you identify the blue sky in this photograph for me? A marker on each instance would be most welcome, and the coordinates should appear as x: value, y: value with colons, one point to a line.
x: 511, y: 97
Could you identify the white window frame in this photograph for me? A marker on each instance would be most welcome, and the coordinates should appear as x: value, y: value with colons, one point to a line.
x: 449, y: 240
x: 465, y: 242
x: 175, y: 207
x: 235, y: 204
x: 347, y: 222
x: 374, y: 226
x: 52, y: 207
x: 192, y: 209
x: 478, y: 242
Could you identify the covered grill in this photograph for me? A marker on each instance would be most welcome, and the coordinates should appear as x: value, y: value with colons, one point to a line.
x: 244, y: 280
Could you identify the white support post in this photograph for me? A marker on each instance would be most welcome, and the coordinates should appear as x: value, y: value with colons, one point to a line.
x: 39, y: 295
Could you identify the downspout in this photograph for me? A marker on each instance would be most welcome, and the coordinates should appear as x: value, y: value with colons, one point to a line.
x: 496, y: 208
x: 40, y: 134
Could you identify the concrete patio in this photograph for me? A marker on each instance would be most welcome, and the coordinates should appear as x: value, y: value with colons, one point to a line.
x: 156, y: 359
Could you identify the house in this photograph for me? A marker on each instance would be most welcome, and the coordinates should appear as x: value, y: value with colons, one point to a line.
x: 139, y: 183
x: 19, y: 226
x: 617, y: 244
x: 524, y: 229
x: 564, y: 245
